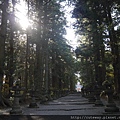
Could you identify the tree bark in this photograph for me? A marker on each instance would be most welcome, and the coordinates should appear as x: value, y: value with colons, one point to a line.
x: 114, y: 48
x: 2, y: 44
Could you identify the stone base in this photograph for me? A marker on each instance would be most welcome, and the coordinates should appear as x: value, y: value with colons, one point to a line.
x: 91, y: 100
x: 33, y: 105
x: 98, y: 103
x: 87, y: 96
x: 111, y: 107
x: 54, y: 98
x: 44, y: 99
x: 83, y: 95
x: 50, y: 98
x: 16, y: 111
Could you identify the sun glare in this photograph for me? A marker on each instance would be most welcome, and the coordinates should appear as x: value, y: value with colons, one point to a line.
x: 21, y: 14
x: 70, y: 36
x: 24, y: 23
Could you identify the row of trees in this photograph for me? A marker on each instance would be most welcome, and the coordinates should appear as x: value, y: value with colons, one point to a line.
x: 38, y: 56
x: 97, y: 23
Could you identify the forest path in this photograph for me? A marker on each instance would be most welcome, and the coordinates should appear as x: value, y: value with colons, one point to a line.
x: 70, y: 107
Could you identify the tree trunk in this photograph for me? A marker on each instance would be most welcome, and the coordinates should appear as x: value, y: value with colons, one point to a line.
x: 39, y: 56
x: 11, y: 53
x: 115, y: 50
x: 2, y: 45
x: 55, y: 84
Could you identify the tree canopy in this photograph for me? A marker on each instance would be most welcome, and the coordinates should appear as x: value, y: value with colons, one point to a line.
x: 98, y: 27
x: 37, y: 55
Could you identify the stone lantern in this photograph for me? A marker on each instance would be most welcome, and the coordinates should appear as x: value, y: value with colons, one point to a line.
x: 33, y: 103
x: 16, y: 109
x: 111, y: 106
x: 91, y: 96
x: 49, y: 94
x: 97, y: 89
x: 82, y: 92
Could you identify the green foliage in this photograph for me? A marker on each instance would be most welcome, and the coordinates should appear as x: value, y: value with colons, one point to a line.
x: 96, y: 21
